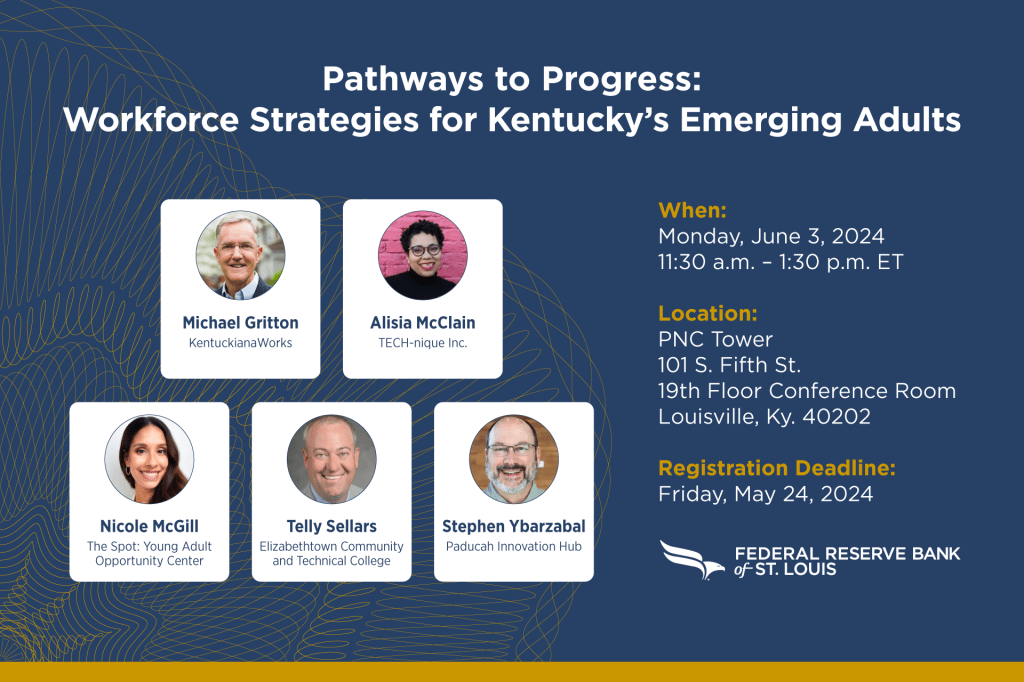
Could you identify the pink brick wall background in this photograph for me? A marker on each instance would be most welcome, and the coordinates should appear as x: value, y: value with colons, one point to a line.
x: 454, y: 255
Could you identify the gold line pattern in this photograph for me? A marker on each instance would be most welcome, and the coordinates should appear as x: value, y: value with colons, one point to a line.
x: 79, y: 321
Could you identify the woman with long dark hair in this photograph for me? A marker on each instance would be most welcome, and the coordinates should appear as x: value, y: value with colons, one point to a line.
x: 149, y: 461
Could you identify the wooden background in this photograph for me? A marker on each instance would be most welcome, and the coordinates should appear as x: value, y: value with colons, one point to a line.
x: 548, y: 451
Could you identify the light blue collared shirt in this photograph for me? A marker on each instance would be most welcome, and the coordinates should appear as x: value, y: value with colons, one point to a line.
x: 348, y: 495
x: 247, y: 291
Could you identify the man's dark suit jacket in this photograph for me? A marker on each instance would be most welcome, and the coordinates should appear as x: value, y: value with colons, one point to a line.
x: 261, y: 288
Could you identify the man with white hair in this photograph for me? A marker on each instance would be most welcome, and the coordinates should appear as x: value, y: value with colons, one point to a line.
x: 512, y: 455
x: 238, y: 251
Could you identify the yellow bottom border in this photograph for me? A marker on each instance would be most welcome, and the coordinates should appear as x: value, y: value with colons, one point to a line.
x: 536, y: 672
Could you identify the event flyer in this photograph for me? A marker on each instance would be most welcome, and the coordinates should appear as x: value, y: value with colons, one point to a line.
x: 660, y: 332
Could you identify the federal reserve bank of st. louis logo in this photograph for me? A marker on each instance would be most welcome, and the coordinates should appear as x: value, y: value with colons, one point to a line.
x: 685, y: 557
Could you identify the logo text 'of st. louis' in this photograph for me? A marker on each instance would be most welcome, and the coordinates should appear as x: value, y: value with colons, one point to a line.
x: 687, y: 558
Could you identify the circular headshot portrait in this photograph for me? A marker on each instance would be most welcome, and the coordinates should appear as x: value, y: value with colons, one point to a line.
x: 514, y: 459
x: 331, y: 459
x: 240, y: 255
x: 149, y: 459
x: 422, y: 255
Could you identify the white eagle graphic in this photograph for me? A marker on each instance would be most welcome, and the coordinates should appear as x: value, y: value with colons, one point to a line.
x: 687, y: 558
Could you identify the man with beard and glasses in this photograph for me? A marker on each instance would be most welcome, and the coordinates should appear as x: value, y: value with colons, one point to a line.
x: 512, y: 454
x: 331, y: 457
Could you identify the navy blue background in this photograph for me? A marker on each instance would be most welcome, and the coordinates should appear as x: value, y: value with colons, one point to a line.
x: 581, y: 212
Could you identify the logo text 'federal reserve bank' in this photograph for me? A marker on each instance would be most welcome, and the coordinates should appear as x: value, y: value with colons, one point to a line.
x: 687, y: 558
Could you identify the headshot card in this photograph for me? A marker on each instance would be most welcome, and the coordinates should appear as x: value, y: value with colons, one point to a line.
x: 240, y: 289
x: 149, y: 490
x: 514, y: 492
x: 332, y: 492
x: 423, y: 296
